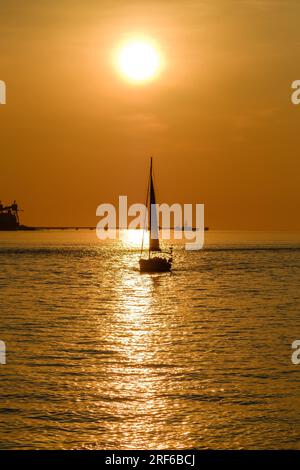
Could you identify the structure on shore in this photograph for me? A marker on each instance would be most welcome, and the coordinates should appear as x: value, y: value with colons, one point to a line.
x: 9, y: 217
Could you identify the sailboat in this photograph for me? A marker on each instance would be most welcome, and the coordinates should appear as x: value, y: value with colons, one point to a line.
x: 159, y: 263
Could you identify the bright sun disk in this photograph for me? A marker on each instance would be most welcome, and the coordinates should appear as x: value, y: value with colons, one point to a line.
x: 138, y: 61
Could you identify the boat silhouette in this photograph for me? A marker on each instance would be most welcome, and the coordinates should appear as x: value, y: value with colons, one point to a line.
x: 161, y: 263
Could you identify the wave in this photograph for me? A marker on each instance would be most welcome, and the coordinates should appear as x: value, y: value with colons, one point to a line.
x: 66, y: 251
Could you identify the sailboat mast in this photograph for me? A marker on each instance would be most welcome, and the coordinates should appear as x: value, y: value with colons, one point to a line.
x: 146, y: 218
x: 149, y: 209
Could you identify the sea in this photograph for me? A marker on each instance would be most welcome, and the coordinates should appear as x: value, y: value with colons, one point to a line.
x: 100, y: 356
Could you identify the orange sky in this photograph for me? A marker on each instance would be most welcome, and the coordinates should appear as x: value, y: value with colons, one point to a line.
x: 219, y: 120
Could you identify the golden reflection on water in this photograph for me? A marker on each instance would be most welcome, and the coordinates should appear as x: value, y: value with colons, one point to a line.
x: 133, y: 238
x: 133, y: 378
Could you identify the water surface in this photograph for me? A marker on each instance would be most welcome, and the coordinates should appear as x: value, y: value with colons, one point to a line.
x: 102, y: 357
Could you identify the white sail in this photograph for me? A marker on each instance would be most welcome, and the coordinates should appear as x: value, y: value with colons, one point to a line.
x: 153, y: 222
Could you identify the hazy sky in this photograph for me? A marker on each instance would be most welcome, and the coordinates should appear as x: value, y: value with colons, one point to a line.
x: 219, y: 120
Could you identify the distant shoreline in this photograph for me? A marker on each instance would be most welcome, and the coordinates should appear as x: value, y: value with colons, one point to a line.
x: 25, y: 228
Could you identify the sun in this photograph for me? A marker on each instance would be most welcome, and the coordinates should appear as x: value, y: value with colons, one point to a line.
x: 138, y: 61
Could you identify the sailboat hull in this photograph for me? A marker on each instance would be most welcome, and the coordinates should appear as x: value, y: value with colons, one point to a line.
x: 154, y: 265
